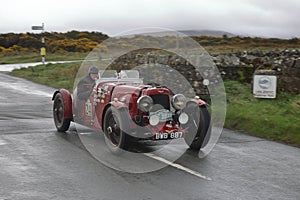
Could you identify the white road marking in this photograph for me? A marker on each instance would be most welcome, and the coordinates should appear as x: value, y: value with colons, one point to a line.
x: 87, y: 133
x: 2, y: 142
x: 180, y: 167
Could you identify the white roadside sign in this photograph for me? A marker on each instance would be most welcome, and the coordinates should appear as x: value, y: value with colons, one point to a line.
x: 37, y: 27
x: 264, y: 86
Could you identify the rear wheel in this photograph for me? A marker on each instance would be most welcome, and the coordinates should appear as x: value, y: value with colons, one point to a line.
x: 198, y: 127
x: 62, y: 124
x: 116, y: 127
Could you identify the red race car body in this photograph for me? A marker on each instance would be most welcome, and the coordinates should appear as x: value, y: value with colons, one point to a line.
x: 123, y: 108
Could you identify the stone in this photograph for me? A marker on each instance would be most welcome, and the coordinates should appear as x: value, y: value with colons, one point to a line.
x: 231, y: 66
x: 297, y: 63
x: 265, y: 72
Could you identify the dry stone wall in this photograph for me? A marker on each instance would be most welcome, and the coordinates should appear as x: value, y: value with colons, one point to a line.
x: 238, y: 66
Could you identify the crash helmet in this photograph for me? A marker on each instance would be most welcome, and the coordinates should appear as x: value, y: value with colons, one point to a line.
x: 93, y: 70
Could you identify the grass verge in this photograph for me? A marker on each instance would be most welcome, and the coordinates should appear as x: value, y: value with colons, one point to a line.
x: 35, y: 57
x: 275, y: 119
x: 60, y: 75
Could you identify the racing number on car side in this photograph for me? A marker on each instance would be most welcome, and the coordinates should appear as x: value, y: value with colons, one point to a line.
x: 88, y: 108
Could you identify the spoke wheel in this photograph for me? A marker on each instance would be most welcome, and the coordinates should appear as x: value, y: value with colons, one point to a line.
x: 62, y: 124
x: 116, y: 127
x: 113, y: 129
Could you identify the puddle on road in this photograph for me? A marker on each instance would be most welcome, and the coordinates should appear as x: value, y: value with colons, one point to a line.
x: 27, y: 90
x: 10, y: 67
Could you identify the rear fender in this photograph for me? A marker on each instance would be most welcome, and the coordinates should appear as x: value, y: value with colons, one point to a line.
x: 67, y: 99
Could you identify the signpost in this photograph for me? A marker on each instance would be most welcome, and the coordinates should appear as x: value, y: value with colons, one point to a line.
x: 43, y: 48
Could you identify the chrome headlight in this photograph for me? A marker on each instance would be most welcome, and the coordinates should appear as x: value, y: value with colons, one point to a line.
x: 145, y: 103
x: 178, y: 101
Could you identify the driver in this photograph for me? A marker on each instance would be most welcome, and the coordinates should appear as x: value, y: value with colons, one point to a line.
x: 86, y: 85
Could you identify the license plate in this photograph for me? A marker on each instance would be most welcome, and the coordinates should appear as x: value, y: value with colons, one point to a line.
x: 165, y: 136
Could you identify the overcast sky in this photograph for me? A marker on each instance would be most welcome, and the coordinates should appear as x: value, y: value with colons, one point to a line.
x: 269, y: 18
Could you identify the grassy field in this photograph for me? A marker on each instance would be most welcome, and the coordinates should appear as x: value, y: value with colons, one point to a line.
x: 54, y: 75
x: 276, y: 119
x: 35, y: 57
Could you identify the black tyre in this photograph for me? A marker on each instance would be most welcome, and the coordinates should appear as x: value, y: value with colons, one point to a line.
x: 62, y: 124
x: 198, y: 127
x: 116, y: 127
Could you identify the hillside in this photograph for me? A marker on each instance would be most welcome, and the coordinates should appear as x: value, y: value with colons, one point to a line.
x: 210, y: 33
x: 82, y: 41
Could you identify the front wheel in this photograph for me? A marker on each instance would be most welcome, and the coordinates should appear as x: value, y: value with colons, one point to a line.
x: 199, y: 128
x: 116, y: 127
x: 62, y: 124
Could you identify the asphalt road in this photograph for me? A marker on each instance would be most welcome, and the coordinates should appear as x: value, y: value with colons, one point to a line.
x: 36, y: 162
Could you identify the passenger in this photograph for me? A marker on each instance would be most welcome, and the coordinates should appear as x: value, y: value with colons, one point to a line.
x: 86, y: 85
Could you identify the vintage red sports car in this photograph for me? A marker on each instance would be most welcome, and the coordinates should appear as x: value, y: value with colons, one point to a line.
x: 126, y: 111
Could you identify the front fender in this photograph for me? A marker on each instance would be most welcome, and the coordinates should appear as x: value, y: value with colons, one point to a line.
x: 199, y: 101
x: 67, y: 99
x: 118, y: 105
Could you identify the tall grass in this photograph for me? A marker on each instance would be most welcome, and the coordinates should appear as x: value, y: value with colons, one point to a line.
x: 35, y: 57
x: 276, y: 119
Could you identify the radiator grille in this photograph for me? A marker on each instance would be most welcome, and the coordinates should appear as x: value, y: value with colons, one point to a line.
x: 162, y: 100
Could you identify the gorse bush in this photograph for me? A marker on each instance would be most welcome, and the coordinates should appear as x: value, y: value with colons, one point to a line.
x: 74, y: 41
